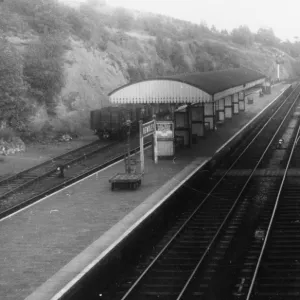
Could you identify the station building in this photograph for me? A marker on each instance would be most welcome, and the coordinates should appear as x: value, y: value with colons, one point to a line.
x: 196, y: 102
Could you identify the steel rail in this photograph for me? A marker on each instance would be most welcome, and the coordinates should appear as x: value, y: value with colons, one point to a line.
x: 142, y: 275
x: 49, y: 161
x: 53, y: 169
x: 233, y: 206
x: 272, y: 216
x: 66, y: 183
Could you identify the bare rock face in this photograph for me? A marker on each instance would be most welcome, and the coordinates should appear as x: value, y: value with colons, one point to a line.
x: 11, y: 147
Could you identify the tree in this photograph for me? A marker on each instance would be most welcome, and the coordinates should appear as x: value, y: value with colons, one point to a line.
x: 162, y: 48
x: 203, y: 63
x: 224, y: 32
x: 177, y: 58
x: 44, y: 70
x: 75, y: 20
x: 13, y: 106
x: 242, y: 36
x: 214, y: 29
x: 267, y: 37
x: 135, y: 74
x: 124, y: 19
x: 42, y: 15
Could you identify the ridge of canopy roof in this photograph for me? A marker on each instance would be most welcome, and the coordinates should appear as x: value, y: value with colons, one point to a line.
x: 210, y: 82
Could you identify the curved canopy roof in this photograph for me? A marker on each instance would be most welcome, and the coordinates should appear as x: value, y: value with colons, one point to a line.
x: 218, y: 81
x: 210, y: 83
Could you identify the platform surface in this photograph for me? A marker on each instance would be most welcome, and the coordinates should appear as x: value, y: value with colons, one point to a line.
x: 38, y: 241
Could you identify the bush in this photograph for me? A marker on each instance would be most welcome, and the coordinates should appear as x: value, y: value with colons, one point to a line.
x: 75, y: 20
x: 267, y: 37
x: 44, y: 70
x: 13, y: 107
x: 158, y: 69
x: 7, y: 134
x: 204, y: 64
x: 242, y: 36
x: 124, y: 19
x: 12, y: 22
x: 163, y: 49
x: 177, y: 59
x: 100, y: 38
x: 45, y: 134
x: 42, y: 16
x: 135, y: 74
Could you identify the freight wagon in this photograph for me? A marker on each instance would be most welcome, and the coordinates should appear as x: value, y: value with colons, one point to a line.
x: 110, y: 122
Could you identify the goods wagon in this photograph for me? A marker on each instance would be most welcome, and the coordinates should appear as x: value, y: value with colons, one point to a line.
x: 110, y: 122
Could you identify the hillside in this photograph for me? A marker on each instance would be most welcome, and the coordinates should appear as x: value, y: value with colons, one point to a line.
x: 69, y: 58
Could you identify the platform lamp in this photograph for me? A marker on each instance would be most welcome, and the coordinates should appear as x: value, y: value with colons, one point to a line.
x: 279, y: 61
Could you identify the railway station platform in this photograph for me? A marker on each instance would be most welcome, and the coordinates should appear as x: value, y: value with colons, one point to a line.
x: 47, y: 246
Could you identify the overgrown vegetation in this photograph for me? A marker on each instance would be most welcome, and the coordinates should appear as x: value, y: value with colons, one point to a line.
x: 43, y: 69
x: 13, y: 88
x: 33, y: 75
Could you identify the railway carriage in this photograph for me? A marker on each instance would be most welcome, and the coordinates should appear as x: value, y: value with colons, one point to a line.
x: 110, y: 122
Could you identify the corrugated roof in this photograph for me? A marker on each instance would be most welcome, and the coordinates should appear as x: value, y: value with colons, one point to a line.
x: 211, y: 82
x: 218, y: 81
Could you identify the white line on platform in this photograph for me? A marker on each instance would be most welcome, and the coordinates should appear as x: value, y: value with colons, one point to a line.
x: 59, y: 191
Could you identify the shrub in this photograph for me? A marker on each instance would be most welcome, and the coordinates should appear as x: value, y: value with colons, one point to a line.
x: 242, y: 36
x: 177, y: 59
x: 100, y: 38
x: 43, y: 135
x: 13, y: 107
x: 7, y: 134
x: 267, y: 37
x: 163, y: 49
x: 135, y: 74
x: 158, y: 69
x: 124, y: 19
x: 44, y: 69
x: 204, y: 64
x: 75, y: 20
x: 45, y: 15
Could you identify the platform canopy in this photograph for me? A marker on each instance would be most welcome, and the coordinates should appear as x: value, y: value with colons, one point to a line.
x: 188, y: 88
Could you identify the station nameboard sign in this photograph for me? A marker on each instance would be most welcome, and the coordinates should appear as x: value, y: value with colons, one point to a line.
x: 148, y: 128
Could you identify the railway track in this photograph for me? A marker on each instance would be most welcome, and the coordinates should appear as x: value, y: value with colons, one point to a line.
x: 200, y: 254
x: 30, y: 185
x: 275, y: 262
